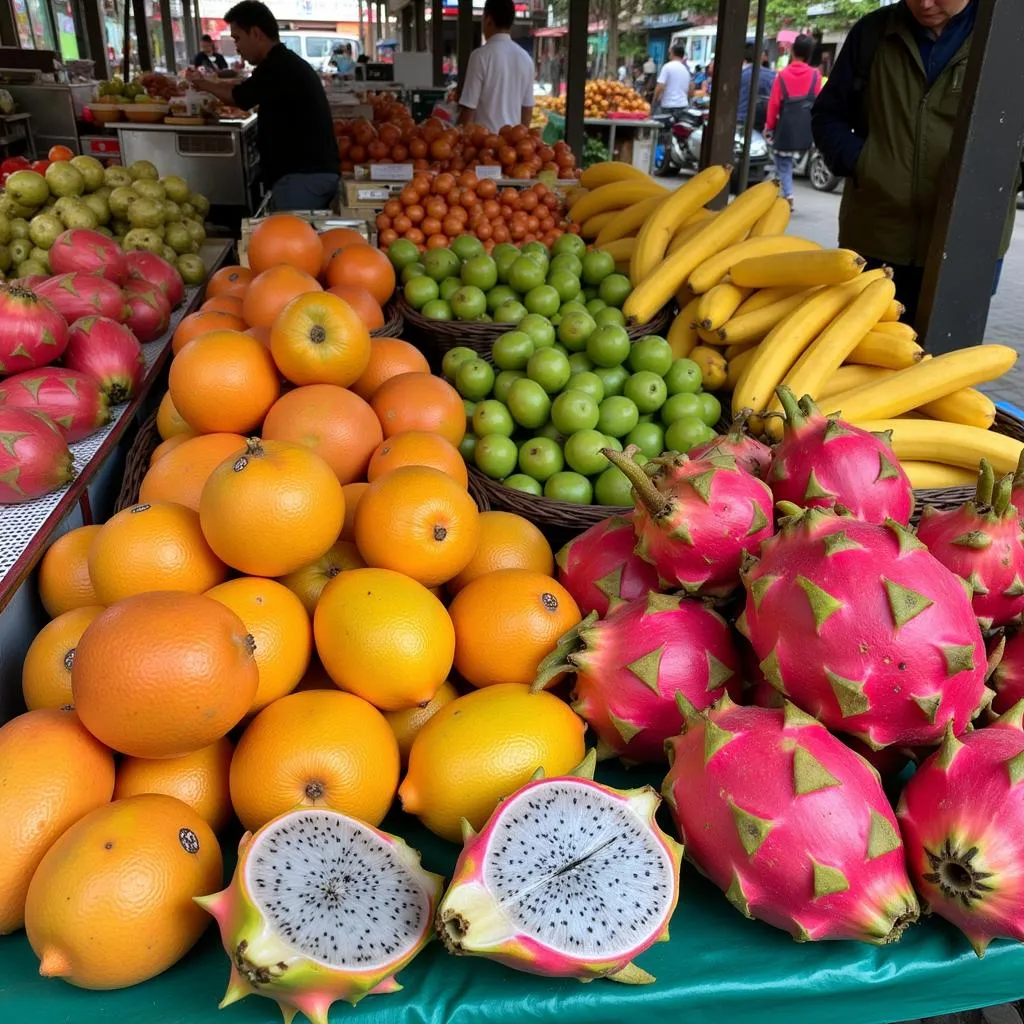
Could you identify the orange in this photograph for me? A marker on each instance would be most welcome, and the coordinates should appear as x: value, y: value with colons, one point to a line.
x: 507, y: 541
x: 111, y: 904
x: 420, y: 401
x: 163, y: 674
x: 164, y: 447
x: 63, y: 579
x: 169, y: 422
x: 364, y: 267
x: 230, y: 304
x: 318, y: 339
x: 417, y: 448
x: 506, y: 622
x: 388, y: 358
x: 307, y: 583
x: 334, y: 240
x: 199, y: 779
x: 52, y: 771
x: 353, y: 494
x: 365, y: 306
x: 261, y: 334
x: 407, y: 723
x: 152, y: 546
x: 195, y: 325
x: 276, y: 619
x: 480, y: 748
x: 274, y: 509
x: 319, y: 748
x: 224, y: 382
x: 285, y: 238
x: 419, y: 521
x: 46, y: 671
x: 182, y: 472
x: 271, y: 291
x: 331, y: 421
x: 383, y: 637
x: 230, y: 280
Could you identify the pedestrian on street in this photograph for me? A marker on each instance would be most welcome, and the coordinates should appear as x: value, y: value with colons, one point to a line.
x: 789, y: 111
x: 765, y: 79
x: 885, y: 120
x: 675, y: 86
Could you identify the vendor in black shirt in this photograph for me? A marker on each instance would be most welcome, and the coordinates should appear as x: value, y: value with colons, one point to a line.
x: 294, y: 132
x: 208, y: 59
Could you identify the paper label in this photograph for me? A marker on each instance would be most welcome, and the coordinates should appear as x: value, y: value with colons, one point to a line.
x: 391, y: 172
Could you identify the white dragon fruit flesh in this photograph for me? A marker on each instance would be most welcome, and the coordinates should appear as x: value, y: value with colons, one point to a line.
x: 322, y: 907
x: 859, y: 625
x: 789, y: 823
x: 962, y: 818
x: 630, y: 666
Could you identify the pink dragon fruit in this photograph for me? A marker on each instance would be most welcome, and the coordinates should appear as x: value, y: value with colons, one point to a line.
x: 77, y: 295
x: 109, y: 352
x: 513, y: 908
x: 289, y: 932
x: 751, y: 454
x: 962, y: 818
x: 791, y: 824
x: 599, y: 567
x: 73, y: 400
x: 81, y: 250
x: 1017, y: 493
x: 34, y: 457
x: 694, y: 521
x: 982, y: 543
x: 1008, y: 677
x: 630, y: 666
x: 825, y: 462
x: 861, y: 626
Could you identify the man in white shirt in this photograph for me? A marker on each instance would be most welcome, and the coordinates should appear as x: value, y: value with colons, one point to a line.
x: 675, y: 86
x: 498, y: 87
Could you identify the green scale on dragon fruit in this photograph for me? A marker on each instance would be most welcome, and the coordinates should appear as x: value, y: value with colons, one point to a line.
x: 322, y: 907
x: 862, y: 627
x: 1008, y: 677
x: 789, y: 823
x: 630, y: 666
x: 962, y: 818
x: 568, y: 879
x: 32, y: 332
x: 72, y: 399
x: 823, y: 462
x: 982, y: 543
x: 695, y: 520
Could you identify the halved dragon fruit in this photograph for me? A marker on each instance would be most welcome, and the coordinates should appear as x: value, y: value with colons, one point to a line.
x: 568, y: 879
x: 962, y: 817
x: 789, y: 823
x: 322, y: 907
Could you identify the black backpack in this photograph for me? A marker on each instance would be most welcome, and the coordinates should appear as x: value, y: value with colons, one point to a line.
x: 793, y: 131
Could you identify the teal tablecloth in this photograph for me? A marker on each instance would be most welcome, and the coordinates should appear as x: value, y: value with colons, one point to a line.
x: 719, y: 968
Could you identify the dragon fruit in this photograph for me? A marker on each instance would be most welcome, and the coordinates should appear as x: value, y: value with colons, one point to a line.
x: 962, y: 818
x: 789, y: 823
x: 109, y: 352
x: 149, y: 312
x: 73, y: 400
x: 1008, y: 677
x: 322, y: 907
x: 34, y: 457
x: 77, y: 295
x: 982, y: 543
x: 568, y: 879
x: 81, y: 250
x: 695, y: 520
x: 599, y: 567
x: 751, y: 454
x: 825, y: 462
x: 154, y: 270
x: 861, y: 626
x: 32, y: 332
x: 630, y: 666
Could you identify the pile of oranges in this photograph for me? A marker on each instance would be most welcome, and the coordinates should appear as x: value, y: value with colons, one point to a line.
x: 601, y: 97
x: 519, y: 151
x: 432, y: 210
x: 288, y: 616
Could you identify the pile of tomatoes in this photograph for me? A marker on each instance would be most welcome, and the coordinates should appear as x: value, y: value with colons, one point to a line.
x: 19, y: 163
x: 431, y: 210
x: 517, y: 150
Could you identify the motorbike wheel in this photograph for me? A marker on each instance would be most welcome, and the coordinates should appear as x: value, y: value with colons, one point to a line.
x: 664, y: 167
x: 821, y: 178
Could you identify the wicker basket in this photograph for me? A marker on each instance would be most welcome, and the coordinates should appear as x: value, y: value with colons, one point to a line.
x: 394, y: 323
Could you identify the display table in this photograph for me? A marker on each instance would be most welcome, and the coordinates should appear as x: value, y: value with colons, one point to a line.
x: 718, y: 968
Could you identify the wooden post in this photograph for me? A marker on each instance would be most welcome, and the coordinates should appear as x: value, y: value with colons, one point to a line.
x: 576, y: 76
x: 437, y: 40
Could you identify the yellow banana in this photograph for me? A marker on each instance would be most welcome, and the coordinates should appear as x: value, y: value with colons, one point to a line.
x: 953, y: 444
x: 904, y: 332
x: 789, y: 337
x: 616, y: 196
x: 968, y: 405
x: 609, y: 171
x: 689, y: 230
x: 876, y: 349
x: 925, y: 382
x: 775, y: 221
x: 628, y: 221
x: 620, y: 250
x: 936, y: 475
x: 826, y: 353
x: 682, y: 335
x: 766, y: 297
x: 753, y: 326
x: 710, y: 272
x: 718, y: 305
x: 730, y: 225
x: 894, y: 312
x: 591, y: 228
x: 735, y: 366
x: 797, y: 269
x: 712, y: 365
x: 846, y: 378
x: 657, y: 232
x: 734, y: 350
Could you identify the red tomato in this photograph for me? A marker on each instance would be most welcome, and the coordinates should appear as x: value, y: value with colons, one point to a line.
x: 41, y: 165
x: 14, y: 163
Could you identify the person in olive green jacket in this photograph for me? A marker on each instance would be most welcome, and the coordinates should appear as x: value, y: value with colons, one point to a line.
x: 884, y: 121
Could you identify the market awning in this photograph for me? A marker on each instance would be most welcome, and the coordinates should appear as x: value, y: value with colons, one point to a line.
x: 551, y: 33
x: 787, y: 36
